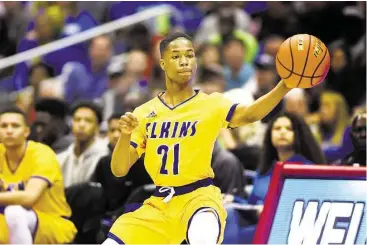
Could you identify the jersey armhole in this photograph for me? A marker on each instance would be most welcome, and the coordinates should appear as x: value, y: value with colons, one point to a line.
x: 230, y: 115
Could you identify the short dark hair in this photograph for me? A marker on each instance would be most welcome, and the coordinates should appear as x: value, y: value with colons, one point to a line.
x: 16, y: 110
x: 55, y: 107
x: 171, y: 37
x: 114, y: 116
x: 90, y: 105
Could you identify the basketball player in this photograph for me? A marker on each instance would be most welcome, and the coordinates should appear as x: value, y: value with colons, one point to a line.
x: 177, y: 130
x: 33, y: 206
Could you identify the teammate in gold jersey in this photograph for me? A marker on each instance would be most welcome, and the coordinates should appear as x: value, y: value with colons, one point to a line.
x: 33, y: 207
x: 177, y: 130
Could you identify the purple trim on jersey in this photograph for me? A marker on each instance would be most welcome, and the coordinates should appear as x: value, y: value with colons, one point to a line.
x: 133, y: 144
x: 43, y: 178
x: 36, y: 228
x: 230, y: 112
x: 192, y: 216
x: 181, y: 190
x: 115, y: 238
x: 171, y: 108
x: 2, y: 209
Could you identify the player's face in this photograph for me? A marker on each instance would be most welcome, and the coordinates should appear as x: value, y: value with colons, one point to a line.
x: 13, y: 129
x: 282, y: 135
x: 84, y: 125
x: 179, y: 61
x: 113, y: 132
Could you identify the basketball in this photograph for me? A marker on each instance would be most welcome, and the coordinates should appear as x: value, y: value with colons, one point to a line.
x: 302, y: 61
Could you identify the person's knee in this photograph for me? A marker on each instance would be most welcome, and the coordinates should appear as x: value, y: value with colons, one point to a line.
x: 204, y: 228
x: 110, y: 241
x: 14, y: 214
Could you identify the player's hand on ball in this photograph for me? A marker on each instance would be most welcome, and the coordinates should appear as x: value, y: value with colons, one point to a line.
x: 128, y: 123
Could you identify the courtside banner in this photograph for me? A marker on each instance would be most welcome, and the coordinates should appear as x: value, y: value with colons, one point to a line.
x: 314, y: 204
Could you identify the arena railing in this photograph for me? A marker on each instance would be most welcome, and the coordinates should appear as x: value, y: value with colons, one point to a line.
x: 89, y: 34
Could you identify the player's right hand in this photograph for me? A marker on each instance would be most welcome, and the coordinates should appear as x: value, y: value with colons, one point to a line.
x: 128, y: 123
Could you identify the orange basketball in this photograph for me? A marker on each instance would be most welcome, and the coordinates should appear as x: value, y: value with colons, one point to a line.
x: 302, y: 61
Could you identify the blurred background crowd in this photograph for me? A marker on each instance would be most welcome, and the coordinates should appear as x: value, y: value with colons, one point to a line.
x: 74, y: 96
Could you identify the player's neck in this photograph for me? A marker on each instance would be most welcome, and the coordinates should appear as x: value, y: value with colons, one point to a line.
x: 176, y: 94
x: 15, y: 154
x: 82, y: 146
x: 285, y: 155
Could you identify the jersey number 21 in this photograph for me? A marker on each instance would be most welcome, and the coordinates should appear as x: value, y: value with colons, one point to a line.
x: 163, y: 150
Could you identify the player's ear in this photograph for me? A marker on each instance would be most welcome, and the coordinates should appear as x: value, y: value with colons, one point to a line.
x: 27, y: 132
x: 162, y: 64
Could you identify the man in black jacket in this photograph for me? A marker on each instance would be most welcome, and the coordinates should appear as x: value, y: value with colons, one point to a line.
x: 116, y: 190
x: 358, y: 135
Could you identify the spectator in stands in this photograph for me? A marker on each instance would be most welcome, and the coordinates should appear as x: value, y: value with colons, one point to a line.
x: 100, y: 53
x: 264, y: 78
x: 358, y: 136
x: 272, y: 44
x: 334, y: 119
x: 38, y: 73
x: 27, y: 97
x: 50, y: 125
x: 75, y: 20
x: 139, y: 38
x: 114, y: 188
x: 133, y: 100
x: 210, y: 55
x: 227, y: 31
x: 137, y: 62
x: 79, y: 161
x: 344, y: 69
x: 297, y: 102
x: 287, y: 139
x: 278, y: 19
x: 236, y: 71
x: 117, y: 88
x: 154, y: 71
x: 33, y: 207
x: 13, y: 22
x: 91, y: 81
x: 211, y: 79
x: 263, y: 81
x: 43, y: 33
x: 210, y: 24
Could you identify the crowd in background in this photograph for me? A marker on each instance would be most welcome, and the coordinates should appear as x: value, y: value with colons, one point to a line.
x: 74, y: 97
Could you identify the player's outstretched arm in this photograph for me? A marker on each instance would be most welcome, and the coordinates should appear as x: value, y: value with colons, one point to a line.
x: 124, y: 155
x: 27, y: 198
x: 260, y: 108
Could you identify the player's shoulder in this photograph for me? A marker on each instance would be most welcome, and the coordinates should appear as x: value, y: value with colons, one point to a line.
x: 39, y: 149
x: 2, y: 148
x: 215, y: 96
x: 146, y: 108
